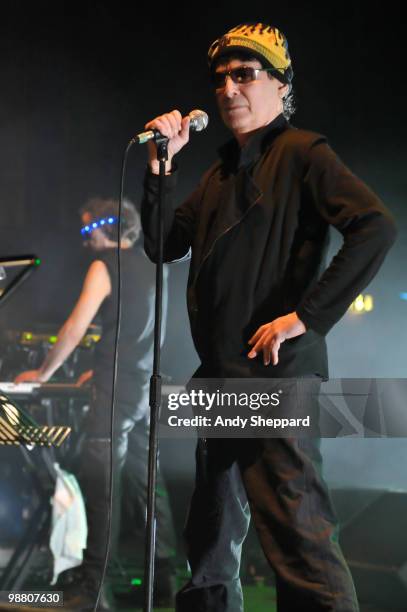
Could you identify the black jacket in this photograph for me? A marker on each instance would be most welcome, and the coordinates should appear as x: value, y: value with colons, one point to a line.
x: 258, y: 228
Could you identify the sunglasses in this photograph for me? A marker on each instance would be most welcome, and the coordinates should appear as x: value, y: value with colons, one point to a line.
x: 241, y: 75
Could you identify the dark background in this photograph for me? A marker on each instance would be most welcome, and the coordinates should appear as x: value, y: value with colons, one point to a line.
x: 79, y: 79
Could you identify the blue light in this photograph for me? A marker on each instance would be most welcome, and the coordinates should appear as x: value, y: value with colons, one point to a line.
x: 403, y: 295
x: 88, y: 229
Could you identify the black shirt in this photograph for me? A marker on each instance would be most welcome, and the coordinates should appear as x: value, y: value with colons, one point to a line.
x: 258, y: 228
x: 135, y: 348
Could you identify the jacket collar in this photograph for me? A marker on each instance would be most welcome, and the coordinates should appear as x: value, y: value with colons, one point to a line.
x: 234, y: 157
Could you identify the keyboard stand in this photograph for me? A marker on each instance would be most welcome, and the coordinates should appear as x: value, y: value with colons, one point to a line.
x: 19, y: 429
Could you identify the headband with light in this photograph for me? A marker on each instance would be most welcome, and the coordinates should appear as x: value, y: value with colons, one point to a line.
x: 88, y: 229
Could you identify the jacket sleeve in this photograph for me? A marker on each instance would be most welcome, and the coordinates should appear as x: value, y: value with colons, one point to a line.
x: 368, y: 231
x: 179, y: 223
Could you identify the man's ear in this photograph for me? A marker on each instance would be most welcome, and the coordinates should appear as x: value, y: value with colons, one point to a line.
x: 283, y: 90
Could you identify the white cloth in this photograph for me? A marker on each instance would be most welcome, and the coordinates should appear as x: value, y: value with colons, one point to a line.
x: 69, y: 528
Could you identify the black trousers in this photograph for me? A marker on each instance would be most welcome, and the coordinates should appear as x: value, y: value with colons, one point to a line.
x: 278, y: 482
x: 130, y: 447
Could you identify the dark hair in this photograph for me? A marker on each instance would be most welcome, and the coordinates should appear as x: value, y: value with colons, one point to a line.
x: 289, y: 106
x: 100, y: 208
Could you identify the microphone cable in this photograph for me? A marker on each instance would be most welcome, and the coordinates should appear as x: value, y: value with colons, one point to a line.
x: 115, y: 365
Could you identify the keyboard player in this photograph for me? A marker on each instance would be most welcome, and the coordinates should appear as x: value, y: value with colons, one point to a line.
x: 135, y: 354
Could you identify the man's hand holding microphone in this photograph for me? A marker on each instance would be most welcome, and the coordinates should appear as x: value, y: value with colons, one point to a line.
x: 174, y: 127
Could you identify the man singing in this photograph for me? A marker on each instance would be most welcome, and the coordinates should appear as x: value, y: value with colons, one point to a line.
x: 260, y: 304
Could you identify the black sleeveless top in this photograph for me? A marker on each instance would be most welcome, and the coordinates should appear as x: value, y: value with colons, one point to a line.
x: 135, y: 347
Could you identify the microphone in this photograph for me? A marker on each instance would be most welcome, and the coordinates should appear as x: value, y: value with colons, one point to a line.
x: 198, y: 122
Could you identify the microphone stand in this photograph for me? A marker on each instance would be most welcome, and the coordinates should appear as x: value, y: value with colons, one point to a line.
x: 155, y: 388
